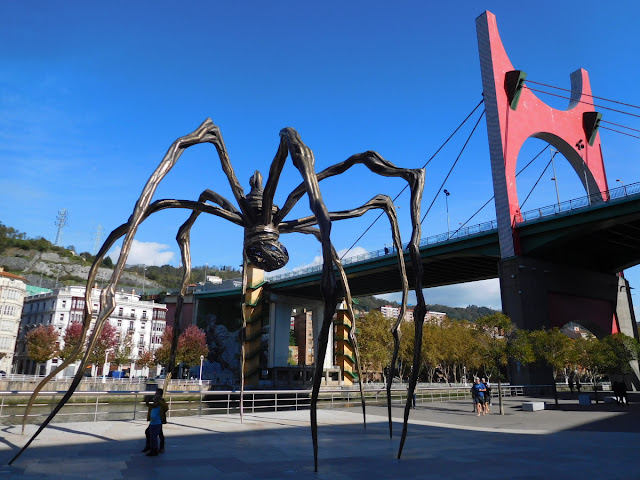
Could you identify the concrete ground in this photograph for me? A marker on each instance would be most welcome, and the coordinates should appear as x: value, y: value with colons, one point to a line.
x: 445, y: 441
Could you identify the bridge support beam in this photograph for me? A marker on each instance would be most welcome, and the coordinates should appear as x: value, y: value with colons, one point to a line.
x: 279, y: 324
x: 537, y: 294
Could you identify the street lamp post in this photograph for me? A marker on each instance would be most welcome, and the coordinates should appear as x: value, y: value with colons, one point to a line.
x: 201, y: 360
x: 104, y: 368
x: 555, y: 177
x: 623, y: 186
x: 446, y: 201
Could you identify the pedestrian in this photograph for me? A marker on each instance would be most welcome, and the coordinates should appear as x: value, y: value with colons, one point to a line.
x: 480, y: 388
x: 578, y: 386
x: 620, y: 391
x: 487, y: 396
x: 156, y: 416
x: 571, y: 382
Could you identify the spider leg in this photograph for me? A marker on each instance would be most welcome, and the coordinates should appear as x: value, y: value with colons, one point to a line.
x: 303, y: 160
x: 386, y: 204
x: 206, y: 132
x: 272, y: 182
x: 415, y: 179
x: 183, y: 238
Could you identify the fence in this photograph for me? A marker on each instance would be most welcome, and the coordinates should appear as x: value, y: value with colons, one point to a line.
x: 129, y: 405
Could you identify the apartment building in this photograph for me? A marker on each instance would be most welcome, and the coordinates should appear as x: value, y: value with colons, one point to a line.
x: 13, y: 289
x: 140, y: 320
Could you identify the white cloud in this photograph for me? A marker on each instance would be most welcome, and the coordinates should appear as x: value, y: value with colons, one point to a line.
x: 145, y: 253
x: 484, y: 293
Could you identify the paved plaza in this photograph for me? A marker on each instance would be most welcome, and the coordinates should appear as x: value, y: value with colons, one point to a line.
x: 445, y: 441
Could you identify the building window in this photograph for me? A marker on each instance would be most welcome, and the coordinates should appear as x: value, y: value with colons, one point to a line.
x: 133, y: 313
x: 144, y: 314
x: 142, y: 325
x: 121, y: 312
x: 64, y: 304
x: 131, y: 325
x: 119, y: 322
x: 62, y: 317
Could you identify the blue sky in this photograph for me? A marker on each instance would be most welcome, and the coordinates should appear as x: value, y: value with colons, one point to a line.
x: 92, y: 95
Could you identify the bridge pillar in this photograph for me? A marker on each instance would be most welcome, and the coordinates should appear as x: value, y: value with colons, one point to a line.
x: 317, y: 317
x: 279, y: 327
x: 538, y: 294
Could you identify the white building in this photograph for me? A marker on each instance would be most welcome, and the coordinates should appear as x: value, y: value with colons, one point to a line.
x: 389, y: 312
x: 13, y: 289
x: 141, y: 321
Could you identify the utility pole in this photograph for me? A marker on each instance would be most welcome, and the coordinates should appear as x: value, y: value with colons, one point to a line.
x: 61, y: 222
x: 555, y: 177
x: 97, y: 238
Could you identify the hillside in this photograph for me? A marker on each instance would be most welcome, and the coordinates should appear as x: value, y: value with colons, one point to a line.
x: 46, y: 265
x: 470, y: 313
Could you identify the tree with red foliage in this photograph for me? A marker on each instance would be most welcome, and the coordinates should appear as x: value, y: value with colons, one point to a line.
x: 106, y: 341
x: 144, y: 360
x: 42, y: 343
x: 71, y: 339
x: 191, y: 345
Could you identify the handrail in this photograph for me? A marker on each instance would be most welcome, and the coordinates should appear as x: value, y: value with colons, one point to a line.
x: 112, y: 405
x: 463, y: 232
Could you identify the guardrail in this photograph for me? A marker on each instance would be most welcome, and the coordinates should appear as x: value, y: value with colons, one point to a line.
x: 98, y: 379
x: 578, y: 203
x: 129, y: 404
x: 462, y: 232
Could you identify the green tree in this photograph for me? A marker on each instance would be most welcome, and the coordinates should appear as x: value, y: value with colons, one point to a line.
x: 375, y: 341
x: 591, y: 356
x: 555, y: 349
x: 619, y: 351
x: 42, y: 343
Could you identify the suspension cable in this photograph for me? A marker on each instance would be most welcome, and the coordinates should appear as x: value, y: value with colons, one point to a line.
x: 536, y: 184
x: 489, y: 201
x: 621, y: 126
x: 618, y: 131
x: 452, y: 167
x: 582, y: 101
x: 585, y: 94
x: 406, y: 186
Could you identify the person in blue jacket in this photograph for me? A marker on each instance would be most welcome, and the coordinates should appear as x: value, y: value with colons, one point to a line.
x: 479, y: 389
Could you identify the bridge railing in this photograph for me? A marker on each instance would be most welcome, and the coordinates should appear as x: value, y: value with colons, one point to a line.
x: 462, y: 232
x: 578, y: 203
x: 383, y: 252
x: 129, y: 404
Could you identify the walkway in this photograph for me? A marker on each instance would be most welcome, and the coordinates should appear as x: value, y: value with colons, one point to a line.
x: 446, y: 441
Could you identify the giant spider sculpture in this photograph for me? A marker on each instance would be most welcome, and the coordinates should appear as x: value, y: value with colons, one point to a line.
x: 263, y: 222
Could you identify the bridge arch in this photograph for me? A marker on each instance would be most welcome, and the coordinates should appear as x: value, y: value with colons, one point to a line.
x: 515, y: 113
x: 569, y: 171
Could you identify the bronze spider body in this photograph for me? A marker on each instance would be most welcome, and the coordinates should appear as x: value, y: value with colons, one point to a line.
x: 263, y: 223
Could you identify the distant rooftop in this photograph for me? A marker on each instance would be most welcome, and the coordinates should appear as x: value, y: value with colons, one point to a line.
x: 31, y: 290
